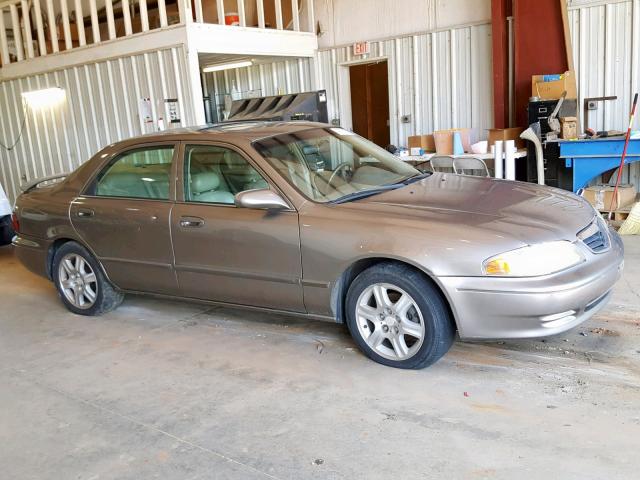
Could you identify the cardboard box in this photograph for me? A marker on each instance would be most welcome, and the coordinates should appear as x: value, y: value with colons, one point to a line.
x: 443, y: 140
x: 569, y: 127
x: 424, y: 142
x: 600, y: 196
x: 505, y: 134
x: 553, y: 90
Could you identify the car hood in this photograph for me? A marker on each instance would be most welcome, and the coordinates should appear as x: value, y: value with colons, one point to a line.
x: 522, y: 211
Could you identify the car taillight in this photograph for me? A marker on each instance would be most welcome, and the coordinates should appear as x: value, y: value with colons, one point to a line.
x: 15, y: 223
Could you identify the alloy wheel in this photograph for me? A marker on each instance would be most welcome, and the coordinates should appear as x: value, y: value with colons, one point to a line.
x: 78, y: 281
x: 390, y: 321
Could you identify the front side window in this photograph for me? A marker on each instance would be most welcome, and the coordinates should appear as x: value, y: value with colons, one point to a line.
x: 140, y: 173
x: 329, y: 164
x: 216, y: 174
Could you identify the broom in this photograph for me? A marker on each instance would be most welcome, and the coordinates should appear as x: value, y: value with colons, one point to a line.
x: 624, y: 155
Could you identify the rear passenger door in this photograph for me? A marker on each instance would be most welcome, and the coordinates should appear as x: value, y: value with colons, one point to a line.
x: 229, y: 254
x: 123, y: 217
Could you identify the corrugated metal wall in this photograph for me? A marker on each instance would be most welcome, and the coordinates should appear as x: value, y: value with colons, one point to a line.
x: 277, y: 78
x: 439, y: 80
x: 101, y: 107
x: 606, y: 45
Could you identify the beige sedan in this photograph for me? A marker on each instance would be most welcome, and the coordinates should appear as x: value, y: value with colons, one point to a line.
x: 312, y: 220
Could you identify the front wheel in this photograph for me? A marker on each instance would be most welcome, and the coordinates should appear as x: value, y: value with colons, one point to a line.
x: 398, y: 317
x: 82, y: 286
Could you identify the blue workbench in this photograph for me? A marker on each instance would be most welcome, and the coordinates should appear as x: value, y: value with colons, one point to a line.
x: 592, y: 158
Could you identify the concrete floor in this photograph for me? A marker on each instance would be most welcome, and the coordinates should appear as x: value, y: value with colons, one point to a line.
x: 172, y: 390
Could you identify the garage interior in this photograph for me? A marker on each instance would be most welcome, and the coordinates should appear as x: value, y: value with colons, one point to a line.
x: 170, y: 389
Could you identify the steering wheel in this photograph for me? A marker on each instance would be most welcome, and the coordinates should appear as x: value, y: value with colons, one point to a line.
x: 338, y: 169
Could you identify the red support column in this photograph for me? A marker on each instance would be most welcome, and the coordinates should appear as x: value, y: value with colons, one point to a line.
x: 500, y: 49
x: 539, y: 47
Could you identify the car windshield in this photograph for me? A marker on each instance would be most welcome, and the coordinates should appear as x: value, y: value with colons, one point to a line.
x: 333, y: 164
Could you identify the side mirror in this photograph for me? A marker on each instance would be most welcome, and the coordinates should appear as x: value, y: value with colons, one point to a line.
x: 261, y: 199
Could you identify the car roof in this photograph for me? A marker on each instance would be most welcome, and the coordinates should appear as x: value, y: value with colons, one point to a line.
x: 245, y: 130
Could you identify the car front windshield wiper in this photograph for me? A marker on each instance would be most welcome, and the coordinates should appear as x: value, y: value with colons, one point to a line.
x: 382, y: 188
x: 349, y: 197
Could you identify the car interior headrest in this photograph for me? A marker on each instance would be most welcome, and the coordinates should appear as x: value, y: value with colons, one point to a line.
x: 204, y: 182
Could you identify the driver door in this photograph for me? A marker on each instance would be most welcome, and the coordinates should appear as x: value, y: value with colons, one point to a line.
x: 228, y: 254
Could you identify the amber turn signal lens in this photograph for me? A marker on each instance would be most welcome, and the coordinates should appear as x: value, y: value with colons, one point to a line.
x: 497, y: 266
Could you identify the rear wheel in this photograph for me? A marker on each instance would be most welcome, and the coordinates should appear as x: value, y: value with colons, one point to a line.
x: 81, y: 284
x: 6, y: 232
x: 398, y: 317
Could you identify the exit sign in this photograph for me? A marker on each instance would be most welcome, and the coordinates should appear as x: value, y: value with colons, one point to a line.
x: 361, y: 48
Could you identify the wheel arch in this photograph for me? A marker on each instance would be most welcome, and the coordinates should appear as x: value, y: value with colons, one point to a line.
x: 55, y: 246
x: 346, y: 278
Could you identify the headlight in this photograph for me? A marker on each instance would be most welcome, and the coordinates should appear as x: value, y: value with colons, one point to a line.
x: 534, y: 260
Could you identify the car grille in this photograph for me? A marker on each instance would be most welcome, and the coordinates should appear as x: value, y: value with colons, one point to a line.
x: 595, y: 236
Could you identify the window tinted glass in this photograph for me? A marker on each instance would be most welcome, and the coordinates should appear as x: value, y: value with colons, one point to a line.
x: 142, y: 173
x: 326, y: 164
x: 217, y: 174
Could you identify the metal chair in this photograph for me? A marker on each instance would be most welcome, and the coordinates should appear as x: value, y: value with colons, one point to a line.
x: 470, y: 166
x: 443, y: 164
x: 423, y: 166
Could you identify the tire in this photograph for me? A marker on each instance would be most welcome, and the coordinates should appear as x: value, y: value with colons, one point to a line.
x: 6, y: 232
x: 398, y: 317
x: 81, y: 284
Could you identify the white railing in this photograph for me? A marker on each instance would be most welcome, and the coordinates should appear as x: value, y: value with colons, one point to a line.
x: 35, y: 28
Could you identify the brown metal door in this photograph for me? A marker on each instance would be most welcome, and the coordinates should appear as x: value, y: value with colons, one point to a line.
x: 228, y: 254
x: 370, y: 101
x: 124, y: 219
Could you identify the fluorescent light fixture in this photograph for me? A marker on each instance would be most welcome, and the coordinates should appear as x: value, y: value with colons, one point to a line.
x: 45, y: 98
x: 227, y: 66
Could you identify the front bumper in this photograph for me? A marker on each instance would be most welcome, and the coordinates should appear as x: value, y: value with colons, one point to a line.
x: 493, y: 308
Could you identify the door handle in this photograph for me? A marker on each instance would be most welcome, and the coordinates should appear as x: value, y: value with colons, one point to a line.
x: 191, y: 222
x: 85, y: 212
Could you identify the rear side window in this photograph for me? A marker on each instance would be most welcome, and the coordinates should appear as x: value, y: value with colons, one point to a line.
x: 141, y: 173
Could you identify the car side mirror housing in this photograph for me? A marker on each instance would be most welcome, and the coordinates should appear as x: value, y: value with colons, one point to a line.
x: 261, y: 199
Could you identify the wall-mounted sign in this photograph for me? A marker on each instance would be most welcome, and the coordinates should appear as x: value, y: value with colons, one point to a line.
x: 171, y: 105
x: 361, y: 48
x: 144, y: 109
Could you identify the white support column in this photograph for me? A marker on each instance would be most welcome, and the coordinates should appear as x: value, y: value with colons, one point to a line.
x: 278, y: 5
x: 260, y: 6
x: 241, y: 14
x: 42, y: 44
x: 126, y: 14
x: 80, y: 22
x: 28, y: 39
x: 95, y: 25
x: 295, y: 14
x: 64, y: 12
x: 53, y: 33
x: 454, y: 77
x: 17, y: 31
x: 199, y: 14
x: 311, y: 17
x: 162, y: 9
x: 193, y: 72
x: 111, y: 26
x: 144, y: 15
x: 220, y: 7
x: 4, y: 48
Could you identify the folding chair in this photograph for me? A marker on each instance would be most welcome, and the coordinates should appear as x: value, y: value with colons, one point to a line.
x: 443, y: 164
x: 470, y: 166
